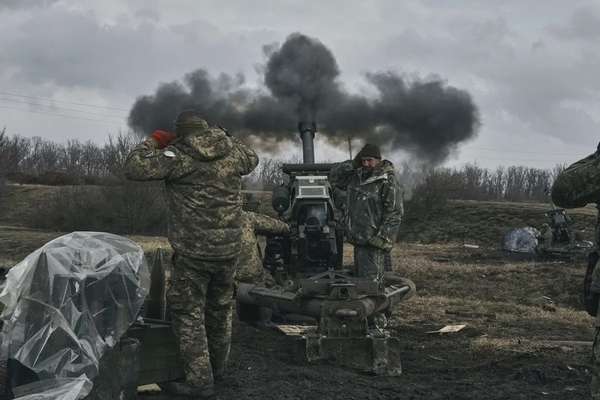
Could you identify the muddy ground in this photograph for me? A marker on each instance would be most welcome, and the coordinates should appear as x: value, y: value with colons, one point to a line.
x: 526, y: 336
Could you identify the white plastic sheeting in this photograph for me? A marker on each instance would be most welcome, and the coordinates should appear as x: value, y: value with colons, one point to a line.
x: 66, y: 303
x: 61, y: 388
x: 522, y: 240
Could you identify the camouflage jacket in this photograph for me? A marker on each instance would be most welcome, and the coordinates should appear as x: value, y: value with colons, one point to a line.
x: 373, y: 204
x: 250, y: 262
x: 578, y: 184
x: 202, y: 173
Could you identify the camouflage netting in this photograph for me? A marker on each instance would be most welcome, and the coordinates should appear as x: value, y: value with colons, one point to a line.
x: 66, y: 304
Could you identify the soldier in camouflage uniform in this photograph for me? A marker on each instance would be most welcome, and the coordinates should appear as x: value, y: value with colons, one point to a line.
x: 576, y: 186
x: 250, y: 262
x: 201, y: 167
x: 373, y: 208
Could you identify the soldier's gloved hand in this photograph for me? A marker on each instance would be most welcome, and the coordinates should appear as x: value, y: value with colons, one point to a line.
x: 380, y: 243
x: 162, y: 138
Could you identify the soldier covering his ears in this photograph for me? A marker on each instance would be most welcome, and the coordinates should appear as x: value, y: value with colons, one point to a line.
x: 201, y: 167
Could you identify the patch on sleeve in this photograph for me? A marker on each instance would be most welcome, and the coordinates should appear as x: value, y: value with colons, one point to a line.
x: 169, y: 154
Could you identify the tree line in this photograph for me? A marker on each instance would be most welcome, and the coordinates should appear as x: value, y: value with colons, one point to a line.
x: 96, y: 195
x: 471, y: 182
x: 37, y: 160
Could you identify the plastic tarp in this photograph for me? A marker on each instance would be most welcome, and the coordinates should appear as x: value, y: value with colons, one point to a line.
x: 61, y: 388
x: 522, y: 240
x: 68, y: 302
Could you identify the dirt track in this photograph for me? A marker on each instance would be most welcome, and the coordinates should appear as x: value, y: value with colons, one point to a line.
x: 262, y: 367
x: 523, y: 338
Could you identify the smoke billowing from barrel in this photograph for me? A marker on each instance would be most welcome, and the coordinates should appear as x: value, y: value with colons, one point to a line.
x: 303, y: 72
x: 427, y: 118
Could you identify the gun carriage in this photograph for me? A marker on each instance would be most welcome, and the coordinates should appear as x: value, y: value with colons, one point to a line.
x: 307, y: 265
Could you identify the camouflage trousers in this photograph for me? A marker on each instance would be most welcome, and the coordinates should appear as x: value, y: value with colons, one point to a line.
x: 253, y: 273
x: 595, y: 385
x: 370, y: 262
x: 200, y: 300
x: 388, y: 265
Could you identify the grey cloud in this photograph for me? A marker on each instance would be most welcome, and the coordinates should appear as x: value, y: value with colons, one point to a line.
x: 462, y: 47
x: 545, y: 87
x: 148, y: 14
x: 74, y: 49
x: 549, y: 92
x: 24, y: 4
x: 527, y: 77
x: 196, y: 32
x: 583, y: 24
x: 538, y: 45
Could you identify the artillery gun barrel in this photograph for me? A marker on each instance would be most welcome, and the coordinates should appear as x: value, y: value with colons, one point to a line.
x: 307, y: 134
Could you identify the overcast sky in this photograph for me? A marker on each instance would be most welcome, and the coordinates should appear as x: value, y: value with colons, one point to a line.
x: 71, y: 69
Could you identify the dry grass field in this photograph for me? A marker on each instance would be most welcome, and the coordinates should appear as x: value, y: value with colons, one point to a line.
x: 485, y: 222
x: 526, y: 336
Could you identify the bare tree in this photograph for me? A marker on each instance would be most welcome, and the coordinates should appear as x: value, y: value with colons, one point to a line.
x: 92, y: 161
x: 13, y: 150
x: 267, y: 174
x: 115, y: 153
x: 70, y: 158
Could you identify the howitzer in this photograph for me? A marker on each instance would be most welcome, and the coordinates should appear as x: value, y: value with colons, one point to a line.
x: 307, y: 266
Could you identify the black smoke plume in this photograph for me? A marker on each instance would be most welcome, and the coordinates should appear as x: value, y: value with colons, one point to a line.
x: 424, y: 117
x: 302, y: 72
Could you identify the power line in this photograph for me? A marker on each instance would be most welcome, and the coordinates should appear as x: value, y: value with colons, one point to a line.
x: 63, y: 101
x: 61, y: 108
x: 60, y: 115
